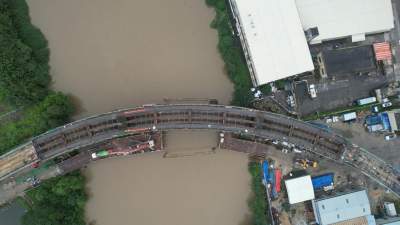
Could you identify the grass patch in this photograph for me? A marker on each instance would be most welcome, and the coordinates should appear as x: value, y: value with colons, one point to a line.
x: 257, y: 203
x: 339, y: 111
x: 231, y: 53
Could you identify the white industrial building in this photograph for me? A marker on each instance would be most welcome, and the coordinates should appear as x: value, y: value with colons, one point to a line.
x: 343, y: 18
x: 272, y: 32
x: 272, y: 38
x: 299, y: 189
x: 342, y: 209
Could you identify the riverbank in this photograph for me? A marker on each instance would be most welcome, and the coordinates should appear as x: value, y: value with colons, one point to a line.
x: 24, y: 85
x: 108, y: 58
x: 230, y: 50
x: 124, y: 53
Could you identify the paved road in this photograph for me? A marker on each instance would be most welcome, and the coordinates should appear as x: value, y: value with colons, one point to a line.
x: 264, y: 126
x: 395, y: 38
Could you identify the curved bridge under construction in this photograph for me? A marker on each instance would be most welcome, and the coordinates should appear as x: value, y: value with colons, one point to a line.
x: 264, y: 126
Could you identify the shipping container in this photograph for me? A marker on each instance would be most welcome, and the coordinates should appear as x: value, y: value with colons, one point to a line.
x: 349, y: 116
x: 272, y: 181
x: 366, y: 101
x: 322, y: 181
x: 265, y: 167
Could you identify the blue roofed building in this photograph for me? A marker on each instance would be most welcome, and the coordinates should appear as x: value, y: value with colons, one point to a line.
x: 343, y: 209
x: 378, y: 122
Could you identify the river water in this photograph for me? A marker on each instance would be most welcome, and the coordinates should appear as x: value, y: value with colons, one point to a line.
x: 181, y: 189
x: 123, y: 53
x: 11, y: 214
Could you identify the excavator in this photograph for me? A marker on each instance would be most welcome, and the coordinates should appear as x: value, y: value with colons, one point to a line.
x: 305, y: 163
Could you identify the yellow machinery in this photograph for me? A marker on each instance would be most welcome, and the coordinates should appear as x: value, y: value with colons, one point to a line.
x: 305, y: 163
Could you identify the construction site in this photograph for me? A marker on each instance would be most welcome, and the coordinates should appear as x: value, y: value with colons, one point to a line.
x: 141, y: 130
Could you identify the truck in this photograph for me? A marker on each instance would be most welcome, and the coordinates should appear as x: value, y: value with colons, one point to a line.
x: 100, y: 154
x: 312, y: 91
x: 365, y: 101
x: 123, y: 151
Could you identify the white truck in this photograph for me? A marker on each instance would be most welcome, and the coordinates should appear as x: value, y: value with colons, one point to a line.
x: 312, y: 91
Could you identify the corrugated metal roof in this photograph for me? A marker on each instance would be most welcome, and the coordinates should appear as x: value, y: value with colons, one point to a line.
x: 344, y: 18
x: 382, y: 51
x: 299, y: 189
x: 276, y: 42
x: 342, y: 208
x: 357, y: 221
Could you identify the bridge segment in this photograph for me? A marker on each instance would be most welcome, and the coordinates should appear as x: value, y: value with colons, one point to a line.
x: 153, y: 118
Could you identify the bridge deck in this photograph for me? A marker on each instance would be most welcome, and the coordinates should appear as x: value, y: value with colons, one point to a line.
x: 15, y: 160
x: 262, y: 125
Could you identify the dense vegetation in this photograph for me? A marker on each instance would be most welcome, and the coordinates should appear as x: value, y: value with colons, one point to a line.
x: 24, y: 81
x: 231, y: 53
x: 24, y: 55
x: 53, y: 111
x: 257, y: 203
x: 58, y: 201
x: 24, y: 77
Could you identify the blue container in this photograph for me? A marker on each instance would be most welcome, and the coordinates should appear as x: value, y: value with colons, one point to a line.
x: 322, y: 181
x: 265, y: 167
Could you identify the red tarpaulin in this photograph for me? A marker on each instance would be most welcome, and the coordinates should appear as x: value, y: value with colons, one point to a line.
x: 382, y: 51
x: 278, y: 176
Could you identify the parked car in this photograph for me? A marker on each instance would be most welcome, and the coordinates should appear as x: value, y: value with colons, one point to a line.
x: 386, y: 104
x: 312, y: 91
x: 390, y: 137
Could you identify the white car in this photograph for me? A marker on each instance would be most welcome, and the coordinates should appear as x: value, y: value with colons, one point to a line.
x: 390, y: 137
x: 312, y: 91
x: 386, y: 104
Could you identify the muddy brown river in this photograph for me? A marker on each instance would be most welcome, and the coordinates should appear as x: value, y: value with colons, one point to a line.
x: 191, y: 185
x: 123, y: 53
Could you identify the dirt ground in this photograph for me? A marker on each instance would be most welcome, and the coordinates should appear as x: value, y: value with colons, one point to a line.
x: 373, y: 142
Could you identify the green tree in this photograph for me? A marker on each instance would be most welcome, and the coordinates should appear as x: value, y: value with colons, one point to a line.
x: 53, y: 111
x: 257, y: 203
x: 231, y: 53
x: 59, y: 201
x: 24, y: 70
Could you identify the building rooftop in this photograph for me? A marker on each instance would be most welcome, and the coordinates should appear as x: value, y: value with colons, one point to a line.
x: 349, y: 60
x: 341, y: 208
x: 364, y: 220
x: 274, y: 38
x: 394, y: 119
x: 299, y: 189
x: 342, y: 18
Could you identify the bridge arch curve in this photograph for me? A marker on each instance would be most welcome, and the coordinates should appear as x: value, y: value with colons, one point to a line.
x: 153, y: 118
